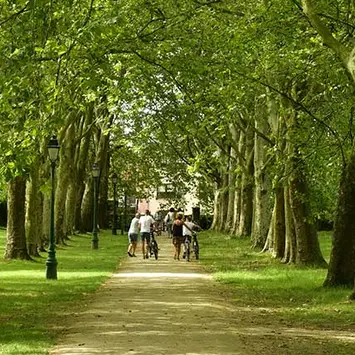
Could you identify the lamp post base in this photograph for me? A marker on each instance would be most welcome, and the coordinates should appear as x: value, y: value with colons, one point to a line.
x: 95, y: 242
x: 51, y: 270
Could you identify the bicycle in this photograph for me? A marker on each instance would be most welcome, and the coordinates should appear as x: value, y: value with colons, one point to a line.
x: 153, y: 246
x: 195, y: 247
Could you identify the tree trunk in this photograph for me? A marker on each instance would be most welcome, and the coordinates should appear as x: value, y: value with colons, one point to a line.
x: 290, y: 254
x: 16, y: 247
x: 223, y: 200
x: 102, y: 159
x: 65, y: 161
x: 228, y: 227
x: 231, y: 212
x: 87, y: 207
x: 216, y: 207
x: 34, y: 213
x: 341, y: 271
x: 81, y: 169
x: 279, y: 224
x: 246, y: 212
x: 262, y: 208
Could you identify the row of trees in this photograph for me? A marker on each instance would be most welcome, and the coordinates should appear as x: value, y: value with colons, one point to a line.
x: 252, y: 102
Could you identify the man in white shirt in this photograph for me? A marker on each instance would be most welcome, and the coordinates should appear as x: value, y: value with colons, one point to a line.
x: 146, y: 224
x: 187, y: 231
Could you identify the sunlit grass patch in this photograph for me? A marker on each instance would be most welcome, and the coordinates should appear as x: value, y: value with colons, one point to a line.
x: 294, y: 294
x: 32, y: 307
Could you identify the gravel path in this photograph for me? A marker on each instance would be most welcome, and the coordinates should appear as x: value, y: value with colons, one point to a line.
x: 171, y: 307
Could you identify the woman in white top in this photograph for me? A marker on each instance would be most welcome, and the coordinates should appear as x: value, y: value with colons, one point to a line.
x: 133, y: 235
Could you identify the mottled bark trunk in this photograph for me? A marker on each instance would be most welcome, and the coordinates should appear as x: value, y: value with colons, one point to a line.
x: 66, y: 159
x: 246, y: 212
x: 341, y: 271
x: 102, y: 159
x: 307, y: 245
x: 232, y: 181
x: 290, y: 233
x: 81, y: 168
x: 231, y: 196
x: 223, y: 201
x: 16, y: 247
x: 308, y: 249
x: 70, y: 208
x: 279, y: 224
x: 87, y: 208
x: 216, y: 207
x: 262, y: 206
x: 34, y: 212
x: 269, y: 244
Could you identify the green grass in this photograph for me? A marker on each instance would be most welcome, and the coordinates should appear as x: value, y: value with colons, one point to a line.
x: 31, y: 307
x: 292, y: 294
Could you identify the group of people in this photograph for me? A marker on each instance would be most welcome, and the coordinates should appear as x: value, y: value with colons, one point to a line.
x: 142, y: 225
x: 178, y: 230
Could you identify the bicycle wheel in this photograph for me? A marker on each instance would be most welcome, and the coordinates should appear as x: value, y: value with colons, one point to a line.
x: 196, y: 251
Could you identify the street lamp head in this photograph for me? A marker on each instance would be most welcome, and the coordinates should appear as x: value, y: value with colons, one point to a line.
x: 114, y: 178
x: 95, y: 171
x: 53, y: 149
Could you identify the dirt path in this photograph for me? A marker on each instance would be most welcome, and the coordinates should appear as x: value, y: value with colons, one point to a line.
x: 171, y: 307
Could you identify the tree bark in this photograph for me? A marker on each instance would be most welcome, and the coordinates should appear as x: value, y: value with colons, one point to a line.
x: 246, y: 213
x: 262, y: 208
x: 34, y: 213
x: 65, y: 160
x: 16, y: 247
x: 341, y: 271
x: 290, y: 254
x: 81, y: 168
x: 216, y: 206
x: 279, y: 225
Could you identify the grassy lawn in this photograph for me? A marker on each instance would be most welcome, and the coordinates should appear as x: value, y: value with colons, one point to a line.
x: 31, y: 305
x: 32, y: 308
x: 294, y: 295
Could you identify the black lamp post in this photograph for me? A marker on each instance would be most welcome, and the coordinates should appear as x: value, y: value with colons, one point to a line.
x: 114, y: 224
x: 51, y: 262
x: 95, y: 239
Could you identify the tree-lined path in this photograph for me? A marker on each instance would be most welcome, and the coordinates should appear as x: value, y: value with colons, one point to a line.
x: 173, y: 307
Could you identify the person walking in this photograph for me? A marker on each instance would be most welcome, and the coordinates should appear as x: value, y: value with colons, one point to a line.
x: 169, y: 220
x: 146, y: 223
x: 178, y: 237
x: 133, y: 235
x: 187, y: 230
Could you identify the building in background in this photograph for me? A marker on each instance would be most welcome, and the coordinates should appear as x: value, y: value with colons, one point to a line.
x: 162, y: 195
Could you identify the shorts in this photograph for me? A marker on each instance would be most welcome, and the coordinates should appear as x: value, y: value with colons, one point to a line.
x: 178, y: 240
x: 132, y: 237
x: 145, y: 236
